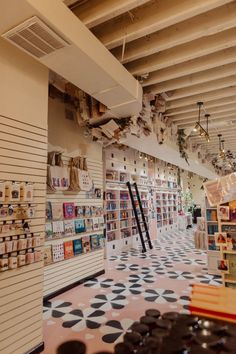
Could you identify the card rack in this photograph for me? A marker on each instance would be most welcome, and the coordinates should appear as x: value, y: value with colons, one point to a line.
x: 19, y: 246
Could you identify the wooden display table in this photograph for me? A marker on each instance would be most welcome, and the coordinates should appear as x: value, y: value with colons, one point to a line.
x: 213, y: 301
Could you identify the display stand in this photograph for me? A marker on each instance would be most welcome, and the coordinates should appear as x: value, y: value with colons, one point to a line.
x: 227, y: 254
x: 213, y: 253
x: 159, y: 195
x: 74, y: 247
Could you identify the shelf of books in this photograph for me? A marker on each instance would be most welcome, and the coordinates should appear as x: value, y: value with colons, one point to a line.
x: 213, y: 252
x: 166, y: 209
x: 121, y: 227
x: 225, y: 240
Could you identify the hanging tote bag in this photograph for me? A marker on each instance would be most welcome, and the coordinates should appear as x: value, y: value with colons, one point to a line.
x: 74, y: 174
x: 85, y: 180
x: 58, y: 174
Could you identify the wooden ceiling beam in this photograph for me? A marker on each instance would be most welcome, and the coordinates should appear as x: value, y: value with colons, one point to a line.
x: 202, y: 88
x: 204, y: 97
x: 208, y: 23
x: 193, y: 79
x: 225, y: 119
x: 213, y: 117
x: 183, y: 52
x: 222, y: 57
x: 149, y: 18
x: 218, y: 104
x: 194, y: 114
x: 226, y: 135
x: 94, y: 12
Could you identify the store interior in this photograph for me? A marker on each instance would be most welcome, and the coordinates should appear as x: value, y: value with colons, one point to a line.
x: 117, y: 177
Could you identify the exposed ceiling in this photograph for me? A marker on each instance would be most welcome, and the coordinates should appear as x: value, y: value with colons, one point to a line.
x: 186, y: 49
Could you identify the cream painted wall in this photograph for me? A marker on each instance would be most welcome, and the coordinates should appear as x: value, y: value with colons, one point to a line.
x: 23, y: 86
x: 195, y: 186
x: 74, y: 140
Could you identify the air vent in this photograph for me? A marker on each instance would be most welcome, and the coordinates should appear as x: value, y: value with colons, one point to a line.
x: 35, y: 37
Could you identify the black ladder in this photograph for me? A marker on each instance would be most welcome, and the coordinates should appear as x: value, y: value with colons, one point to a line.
x: 144, y: 222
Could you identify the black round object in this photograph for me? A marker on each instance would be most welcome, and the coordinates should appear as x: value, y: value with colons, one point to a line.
x: 148, y: 321
x: 199, y: 350
x: 160, y: 333
x: 223, y: 331
x: 153, y: 313
x: 132, y: 337
x: 171, y: 316
x: 165, y: 324
x: 173, y: 346
x: 188, y: 320
x: 123, y: 348
x: 140, y: 328
x: 72, y: 346
x: 152, y: 342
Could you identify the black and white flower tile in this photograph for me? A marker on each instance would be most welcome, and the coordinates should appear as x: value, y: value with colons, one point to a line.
x: 56, y: 309
x: 160, y: 296
x: 163, y: 261
x: 113, y: 331
x: 180, y: 275
x: 141, y: 278
x: 108, y: 302
x: 129, y: 267
x: 193, y: 261
x: 97, y: 283
x: 209, y: 279
x: 78, y: 320
x: 127, y: 289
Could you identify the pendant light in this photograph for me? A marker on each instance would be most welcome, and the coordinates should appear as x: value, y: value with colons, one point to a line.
x: 198, y: 124
x: 207, y: 133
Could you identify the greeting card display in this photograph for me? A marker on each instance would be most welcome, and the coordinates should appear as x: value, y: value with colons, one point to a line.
x: 223, y: 265
x: 95, y: 224
x: 86, y: 244
x: 224, y: 213
x: 87, y: 212
x: 47, y: 255
x: 58, y: 251
x: 78, y: 247
x: 58, y: 229
x: 79, y: 211
x: 79, y: 226
x: 220, y: 238
x: 69, y: 210
x: 89, y: 224
x: 68, y: 249
x: 48, y: 230
x: 95, y: 242
x: 48, y: 211
x: 69, y: 227
x: 57, y: 211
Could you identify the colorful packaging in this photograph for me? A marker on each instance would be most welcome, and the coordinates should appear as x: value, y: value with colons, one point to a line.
x: 58, y: 229
x: 3, y: 264
x: 48, y: 211
x: 79, y: 226
x: 78, y: 247
x: 68, y: 249
x: 69, y: 210
x: 57, y: 211
x: 47, y: 255
x: 69, y: 227
x: 95, y: 242
x: 86, y: 244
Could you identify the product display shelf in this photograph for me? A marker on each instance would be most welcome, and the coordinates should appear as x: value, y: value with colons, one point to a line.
x: 211, y: 227
x: 121, y: 227
x: 166, y: 208
x: 227, y: 257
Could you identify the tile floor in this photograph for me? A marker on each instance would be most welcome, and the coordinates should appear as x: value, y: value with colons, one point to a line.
x: 100, y: 311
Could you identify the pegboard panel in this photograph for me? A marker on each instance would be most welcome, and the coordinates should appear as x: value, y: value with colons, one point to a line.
x: 23, y: 158
x: 59, y: 275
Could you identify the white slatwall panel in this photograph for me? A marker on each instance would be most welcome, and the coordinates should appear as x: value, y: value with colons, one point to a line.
x: 64, y: 273
x: 23, y: 157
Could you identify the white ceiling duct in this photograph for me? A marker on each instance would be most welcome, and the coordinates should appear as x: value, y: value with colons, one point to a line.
x: 53, y: 35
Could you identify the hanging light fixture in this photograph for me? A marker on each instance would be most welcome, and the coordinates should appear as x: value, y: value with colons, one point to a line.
x: 221, y: 147
x: 207, y: 133
x: 198, y: 124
